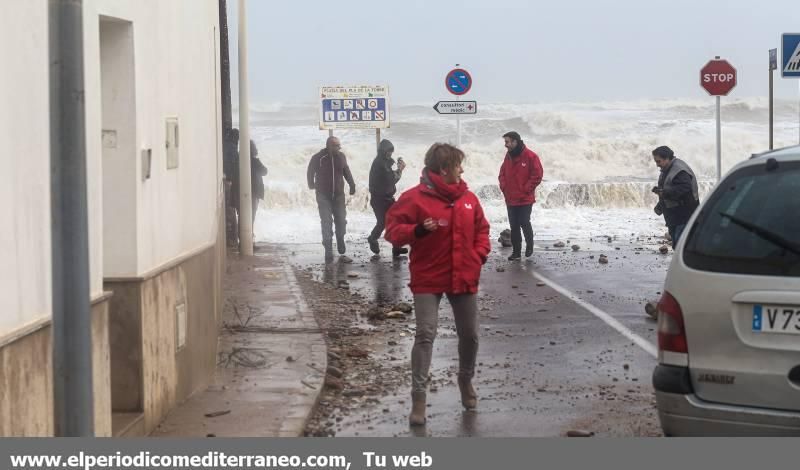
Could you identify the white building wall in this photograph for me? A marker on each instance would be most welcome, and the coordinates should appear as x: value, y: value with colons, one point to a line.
x: 175, y: 62
x: 176, y: 76
x: 25, y: 286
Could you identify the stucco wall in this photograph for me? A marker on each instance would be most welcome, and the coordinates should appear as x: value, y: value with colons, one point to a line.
x: 25, y: 286
x: 175, y: 62
x: 26, y: 384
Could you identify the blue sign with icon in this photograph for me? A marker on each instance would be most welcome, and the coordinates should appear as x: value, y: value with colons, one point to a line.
x: 458, y: 82
x: 353, y: 110
x: 790, y: 47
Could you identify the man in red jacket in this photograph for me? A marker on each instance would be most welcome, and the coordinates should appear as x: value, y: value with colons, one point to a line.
x: 520, y: 174
x: 444, y: 224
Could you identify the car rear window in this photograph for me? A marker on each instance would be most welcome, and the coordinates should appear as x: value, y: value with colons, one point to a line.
x: 750, y: 225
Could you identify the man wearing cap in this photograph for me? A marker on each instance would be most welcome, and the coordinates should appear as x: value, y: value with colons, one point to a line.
x: 677, y: 191
x: 520, y: 174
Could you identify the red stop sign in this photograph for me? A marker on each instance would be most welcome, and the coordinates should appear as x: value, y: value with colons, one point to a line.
x: 718, y: 77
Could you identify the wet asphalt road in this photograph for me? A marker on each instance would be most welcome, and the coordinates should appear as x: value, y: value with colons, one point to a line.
x: 546, y: 365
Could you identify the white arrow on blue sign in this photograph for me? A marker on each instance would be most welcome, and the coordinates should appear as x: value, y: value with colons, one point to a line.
x: 458, y: 82
x: 790, y: 48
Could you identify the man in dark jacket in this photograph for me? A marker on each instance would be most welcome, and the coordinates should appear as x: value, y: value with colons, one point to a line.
x: 230, y: 159
x: 257, y: 172
x: 677, y: 191
x: 520, y: 174
x: 382, y: 187
x: 326, y: 171
x: 230, y: 167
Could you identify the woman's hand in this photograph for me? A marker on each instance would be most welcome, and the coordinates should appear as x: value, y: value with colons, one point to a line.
x: 430, y: 224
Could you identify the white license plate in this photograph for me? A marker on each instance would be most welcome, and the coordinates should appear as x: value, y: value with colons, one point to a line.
x: 776, y: 319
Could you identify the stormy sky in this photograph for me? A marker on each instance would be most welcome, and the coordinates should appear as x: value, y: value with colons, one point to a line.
x: 518, y: 51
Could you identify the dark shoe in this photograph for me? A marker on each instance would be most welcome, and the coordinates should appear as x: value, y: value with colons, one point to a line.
x: 340, y: 245
x: 469, y: 399
x: 417, y: 416
x: 514, y: 257
x: 397, y: 252
x: 344, y: 259
x: 373, y: 246
x: 528, y: 250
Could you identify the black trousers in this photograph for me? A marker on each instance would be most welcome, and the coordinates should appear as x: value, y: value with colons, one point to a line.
x: 380, y: 206
x: 520, y: 217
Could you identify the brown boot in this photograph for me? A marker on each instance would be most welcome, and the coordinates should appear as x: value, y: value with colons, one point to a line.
x: 468, y: 396
x: 417, y: 416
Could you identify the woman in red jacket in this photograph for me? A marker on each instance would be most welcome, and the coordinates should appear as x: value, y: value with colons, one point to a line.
x: 443, y: 222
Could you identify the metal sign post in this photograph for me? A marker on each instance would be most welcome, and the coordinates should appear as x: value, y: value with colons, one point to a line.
x: 719, y: 143
x: 458, y: 127
x: 773, y: 64
x: 458, y: 82
x: 718, y: 78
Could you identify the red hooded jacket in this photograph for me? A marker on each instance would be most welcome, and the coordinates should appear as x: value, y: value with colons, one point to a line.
x: 448, y: 259
x: 519, y: 177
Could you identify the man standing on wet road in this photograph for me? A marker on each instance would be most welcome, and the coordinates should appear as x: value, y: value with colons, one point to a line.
x: 677, y: 191
x: 327, y: 171
x: 520, y: 174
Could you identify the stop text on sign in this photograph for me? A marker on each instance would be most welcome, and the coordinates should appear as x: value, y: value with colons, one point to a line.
x: 719, y: 77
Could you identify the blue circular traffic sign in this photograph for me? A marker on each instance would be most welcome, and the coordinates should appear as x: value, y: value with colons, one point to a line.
x: 458, y: 82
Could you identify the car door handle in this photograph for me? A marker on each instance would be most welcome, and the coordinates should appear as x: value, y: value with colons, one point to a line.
x: 781, y: 297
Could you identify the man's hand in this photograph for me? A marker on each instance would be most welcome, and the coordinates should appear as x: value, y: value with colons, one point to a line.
x: 401, y: 165
x: 430, y: 224
x: 352, y: 190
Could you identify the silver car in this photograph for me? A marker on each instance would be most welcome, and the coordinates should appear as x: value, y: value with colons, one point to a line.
x: 729, y: 317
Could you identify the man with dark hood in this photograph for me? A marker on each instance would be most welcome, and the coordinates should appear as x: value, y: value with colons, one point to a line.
x: 520, y: 174
x: 327, y: 171
x: 677, y: 191
x: 382, y: 187
x: 257, y: 172
x: 230, y: 160
x: 230, y: 167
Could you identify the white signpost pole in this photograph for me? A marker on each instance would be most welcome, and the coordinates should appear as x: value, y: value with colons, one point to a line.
x: 719, y: 144
x: 458, y: 127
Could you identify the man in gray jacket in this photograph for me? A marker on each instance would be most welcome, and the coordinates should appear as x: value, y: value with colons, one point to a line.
x: 677, y: 191
x: 326, y: 171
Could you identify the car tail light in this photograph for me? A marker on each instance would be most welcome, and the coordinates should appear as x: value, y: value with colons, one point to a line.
x: 671, y: 330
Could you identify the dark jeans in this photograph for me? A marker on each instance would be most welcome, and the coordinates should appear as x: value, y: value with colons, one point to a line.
x: 675, y: 232
x: 520, y: 217
x: 379, y: 206
x: 465, y: 313
x: 332, y: 207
